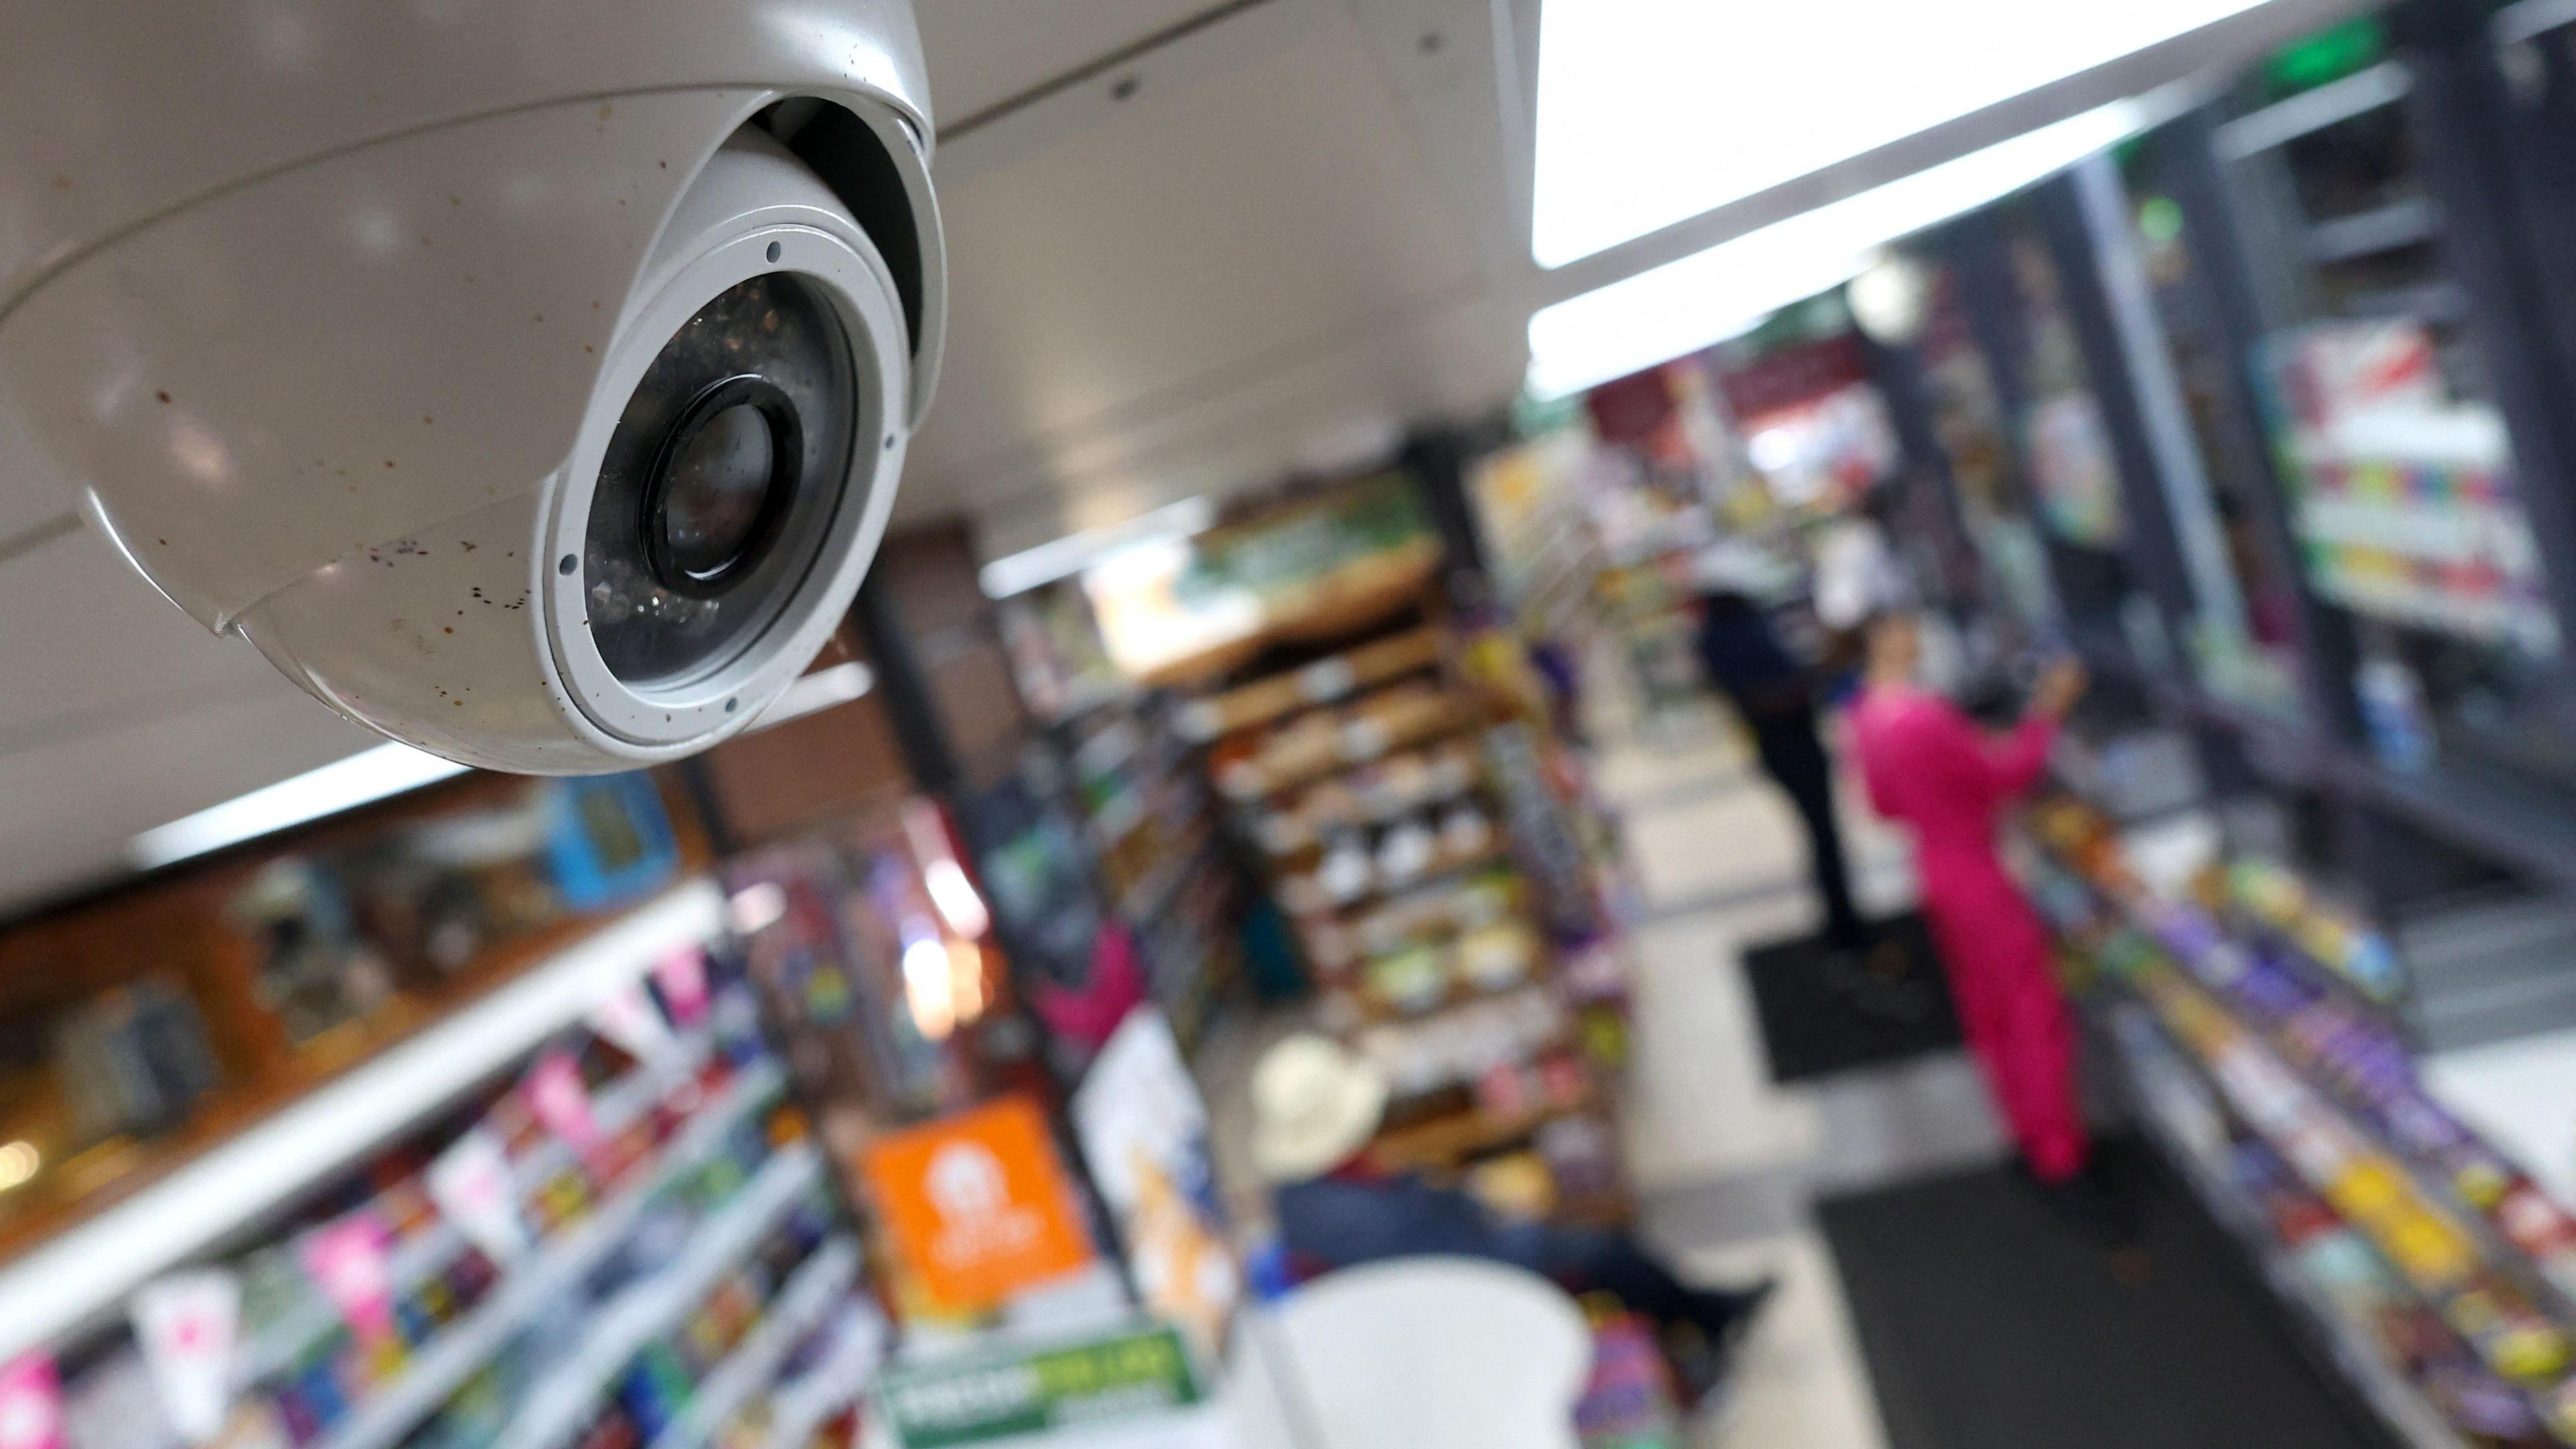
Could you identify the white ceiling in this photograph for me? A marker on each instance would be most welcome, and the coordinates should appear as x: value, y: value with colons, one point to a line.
x: 1282, y: 236
x: 1193, y: 243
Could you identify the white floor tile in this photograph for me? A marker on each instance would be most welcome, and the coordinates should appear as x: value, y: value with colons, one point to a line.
x: 1798, y: 1381
x: 1698, y: 1100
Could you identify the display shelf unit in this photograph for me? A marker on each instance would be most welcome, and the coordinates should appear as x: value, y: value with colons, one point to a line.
x: 427, y: 1253
x: 2349, y: 1348
x: 1360, y: 775
x: 2369, y: 1121
x: 1327, y: 680
x: 801, y: 1308
x: 624, y: 1326
x: 2348, y: 1115
x: 2256, y: 1090
x: 79, y: 1277
x: 456, y: 1355
x: 801, y: 1408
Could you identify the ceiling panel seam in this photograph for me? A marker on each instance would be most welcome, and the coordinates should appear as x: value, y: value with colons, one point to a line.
x: 36, y: 536
x: 1092, y: 69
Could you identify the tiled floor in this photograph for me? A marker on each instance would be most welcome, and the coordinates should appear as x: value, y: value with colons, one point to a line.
x: 1726, y: 1163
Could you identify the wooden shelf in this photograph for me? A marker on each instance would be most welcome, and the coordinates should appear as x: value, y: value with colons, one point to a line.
x: 1462, y: 711
x: 1328, y: 679
x: 1461, y: 993
x: 1495, y: 852
x: 1449, y: 1140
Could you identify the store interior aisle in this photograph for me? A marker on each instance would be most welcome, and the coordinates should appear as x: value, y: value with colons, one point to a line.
x: 1727, y: 1164
x: 1731, y: 1168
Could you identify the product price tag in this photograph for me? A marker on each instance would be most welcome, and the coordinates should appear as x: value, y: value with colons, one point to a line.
x: 352, y: 1261
x: 31, y: 1403
x: 561, y: 1102
x: 629, y: 1018
x: 475, y: 1190
x: 1326, y: 679
x: 187, y: 1325
x: 682, y: 975
x: 1364, y: 739
x: 1199, y: 721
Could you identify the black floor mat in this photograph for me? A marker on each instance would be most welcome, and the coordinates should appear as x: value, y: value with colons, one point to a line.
x: 1989, y: 1324
x: 1820, y: 1017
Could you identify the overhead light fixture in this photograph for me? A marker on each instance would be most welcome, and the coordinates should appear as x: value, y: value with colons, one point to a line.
x: 391, y: 769
x: 1678, y: 308
x: 1891, y: 299
x: 1653, y: 111
x: 1064, y: 557
x: 361, y: 779
x: 18, y: 1164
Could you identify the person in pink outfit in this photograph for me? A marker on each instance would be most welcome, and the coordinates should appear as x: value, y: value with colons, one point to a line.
x: 1927, y: 765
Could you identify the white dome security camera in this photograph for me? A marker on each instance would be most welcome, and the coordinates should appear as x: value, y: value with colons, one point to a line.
x: 529, y: 381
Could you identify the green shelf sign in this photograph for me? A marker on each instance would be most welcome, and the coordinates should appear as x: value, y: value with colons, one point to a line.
x: 978, y: 1401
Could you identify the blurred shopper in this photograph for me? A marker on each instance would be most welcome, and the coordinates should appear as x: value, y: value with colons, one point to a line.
x: 1928, y: 765
x: 1316, y: 1105
x: 1773, y: 693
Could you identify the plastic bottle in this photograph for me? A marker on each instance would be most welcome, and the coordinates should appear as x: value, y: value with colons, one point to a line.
x: 2393, y: 714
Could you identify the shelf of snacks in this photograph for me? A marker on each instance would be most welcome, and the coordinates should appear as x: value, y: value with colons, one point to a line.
x: 2327, y: 1086
x: 1114, y: 762
x: 1329, y: 739
x: 2356, y: 1311
x: 780, y: 1214
x: 2443, y: 1348
x: 149, y: 1031
x: 1366, y: 784
x: 612, y: 1233
x: 222, y: 1174
x: 1327, y: 680
x: 2352, y: 1057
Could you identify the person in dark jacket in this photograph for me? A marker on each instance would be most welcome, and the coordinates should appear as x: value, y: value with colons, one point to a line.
x: 1316, y: 1106
x: 1746, y: 662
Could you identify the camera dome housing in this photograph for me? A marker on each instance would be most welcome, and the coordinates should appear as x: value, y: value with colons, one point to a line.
x: 519, y: 379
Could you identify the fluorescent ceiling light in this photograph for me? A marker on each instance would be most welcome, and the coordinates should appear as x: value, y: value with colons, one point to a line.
x: 1678, y: 308
x: 342, y: 785
x: 391, y: 769
x: 1653, y: 111
x: 1020, y: 572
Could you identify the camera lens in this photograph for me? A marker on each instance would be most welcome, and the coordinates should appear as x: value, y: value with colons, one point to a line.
x: 719, y: 482
x: 718, y: 486
x: 726, y: 479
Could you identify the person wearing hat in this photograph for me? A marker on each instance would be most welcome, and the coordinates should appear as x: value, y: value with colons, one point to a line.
x: 1316, y: 1105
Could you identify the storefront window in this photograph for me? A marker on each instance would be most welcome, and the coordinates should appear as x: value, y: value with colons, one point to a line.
x: 2400, y: 473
